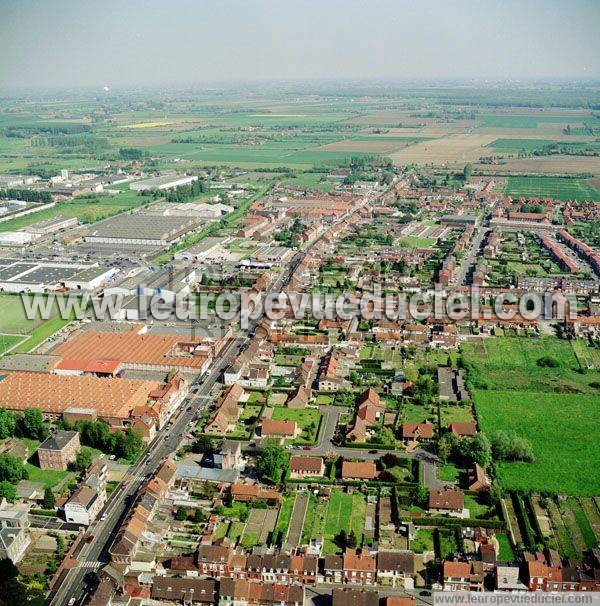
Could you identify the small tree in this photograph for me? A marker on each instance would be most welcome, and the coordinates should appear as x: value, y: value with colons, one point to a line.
x: 342, y: 539
x: 419, y: 495
x: 83, y: 459
x: 352, y: 540
x: 49, y: 499
x: 203, y: 444
x: 8, y: 491
x: 181, y: 514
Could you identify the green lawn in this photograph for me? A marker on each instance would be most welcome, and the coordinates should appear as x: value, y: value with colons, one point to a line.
x: 7, y: 342
x: 49, y: 477
x: 507, y: 553
x: 416, y: 242
x: 455, y: 413
x: 285, y: 513
x: 449, y: 473
x: 423, y: 541
x: 347, y: 512
x: 564, y: 431
x: 13, y: 318
x: 28, y: 334
x: 561, y: 188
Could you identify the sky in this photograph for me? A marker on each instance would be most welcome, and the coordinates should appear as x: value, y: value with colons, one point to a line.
x: 124, y: 43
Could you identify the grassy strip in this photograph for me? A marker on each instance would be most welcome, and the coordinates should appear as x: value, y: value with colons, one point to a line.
x: 41, y: 333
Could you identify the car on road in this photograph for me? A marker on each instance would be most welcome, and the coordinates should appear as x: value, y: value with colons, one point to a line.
x: 90, y: 539
x: 103, y: 517
x: 306, y: 448
x: 71, y: 602
x: 372, y: 452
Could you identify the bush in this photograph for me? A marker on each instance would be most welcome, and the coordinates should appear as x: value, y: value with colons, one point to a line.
x: 548, y: 362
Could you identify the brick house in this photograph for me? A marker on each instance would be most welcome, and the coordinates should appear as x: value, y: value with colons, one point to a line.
x: 60, y: 449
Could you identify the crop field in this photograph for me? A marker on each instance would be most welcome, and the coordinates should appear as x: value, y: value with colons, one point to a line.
x: 564, y: 431
x: 527, y: 120
x: 547, y: 165
x: 455, y: 150
x: 513, y: 146
x: 507, y: 363
x: 555, y: 187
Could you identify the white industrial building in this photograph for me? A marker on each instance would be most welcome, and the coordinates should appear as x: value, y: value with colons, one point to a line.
x: 37, y: 277
x: 17, y: 238
x: 162, y: 182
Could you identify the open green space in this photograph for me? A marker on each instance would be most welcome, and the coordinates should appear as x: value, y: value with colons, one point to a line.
x: 505, y: 363
x: 531, y: 145
x: 344, y: 512
x: 49, y: 477
x: 564, y: 431
x: 506, y: 552
x: 88, y: 209
x: 560, y: 188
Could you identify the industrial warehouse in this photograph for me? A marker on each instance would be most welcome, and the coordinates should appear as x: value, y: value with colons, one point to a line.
x: 40, y: 277
x: 86, y: 397
x: 139, y: 351
x: 141, y: 229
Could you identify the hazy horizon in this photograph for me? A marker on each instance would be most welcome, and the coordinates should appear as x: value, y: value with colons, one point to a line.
x: 65, y: 44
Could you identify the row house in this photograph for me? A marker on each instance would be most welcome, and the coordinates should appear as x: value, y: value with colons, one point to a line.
x: 240, y: 592
x: 463, y: 576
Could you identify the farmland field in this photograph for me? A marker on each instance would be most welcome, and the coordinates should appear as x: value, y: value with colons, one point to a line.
x: 546, y: 165
x: 564, y: 431
x: 513, y: 146
x: 555, y: 187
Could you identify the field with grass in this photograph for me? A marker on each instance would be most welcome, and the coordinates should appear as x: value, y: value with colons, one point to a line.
x: 506, y: 552
x: 86, y: 209
x: 561, y: 188
x: 514, y: 146
x: 18, y: 334
x: 49, y: 477
x: 341, y: 511
x: 506, y: 363
x: 564, y: 431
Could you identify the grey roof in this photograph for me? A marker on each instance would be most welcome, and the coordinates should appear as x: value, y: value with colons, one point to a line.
x: 147, y: 227
x: 207, y: 474
x: 58, y: 440
x: 32, y: 362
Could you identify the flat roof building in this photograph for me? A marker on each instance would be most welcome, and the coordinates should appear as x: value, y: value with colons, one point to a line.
x: 162, y: 182
x: 112, y: 399
x: 38, y: 277
x: 139, y: 351
x: 144, y: 229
